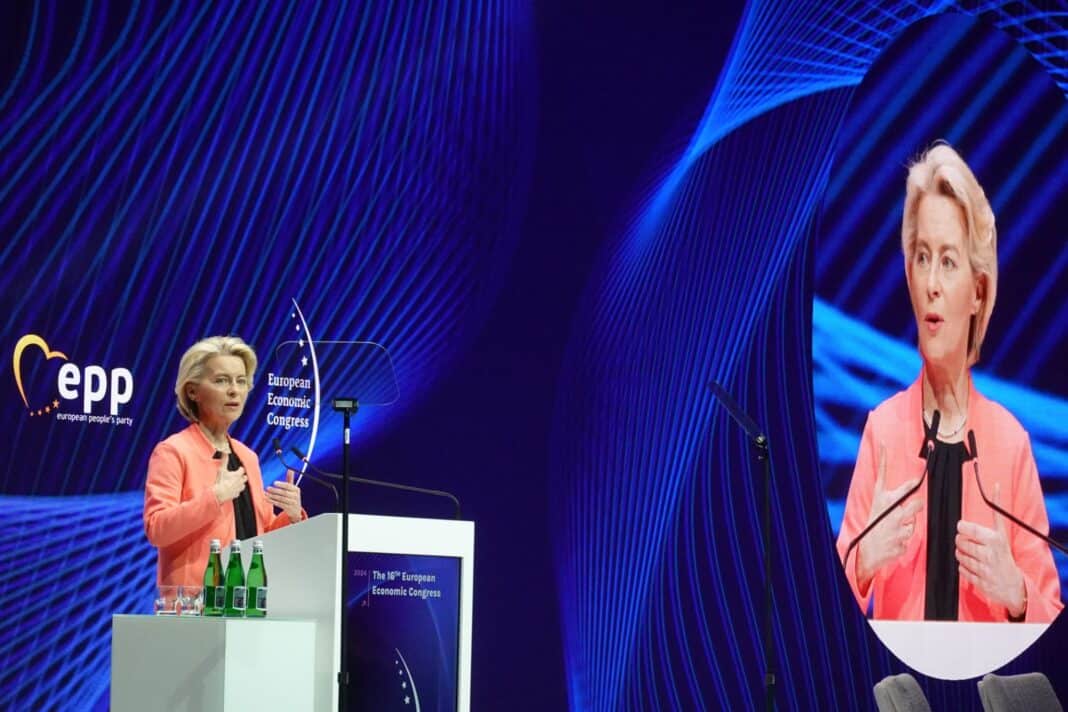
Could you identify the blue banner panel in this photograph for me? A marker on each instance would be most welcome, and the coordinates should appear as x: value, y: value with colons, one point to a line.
x: 404, y: 624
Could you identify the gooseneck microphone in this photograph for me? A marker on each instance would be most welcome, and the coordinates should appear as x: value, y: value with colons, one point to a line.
x: 925, y: 452
x: 380, y: 483
x: 975, y: 467
x: 278, y: 453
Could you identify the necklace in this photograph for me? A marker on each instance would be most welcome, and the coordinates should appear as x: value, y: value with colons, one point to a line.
x: 963, y: 419
x: 946, y: 436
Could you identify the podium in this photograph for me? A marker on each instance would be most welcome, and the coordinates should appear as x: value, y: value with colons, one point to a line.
x: 304, y: 583
x: 951, y: 650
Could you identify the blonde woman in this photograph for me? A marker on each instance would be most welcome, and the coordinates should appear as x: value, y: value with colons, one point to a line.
x: 203, y: 484
x: 944, y: 554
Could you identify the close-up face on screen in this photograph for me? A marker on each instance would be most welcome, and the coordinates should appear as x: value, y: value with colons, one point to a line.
x: 938, y: 344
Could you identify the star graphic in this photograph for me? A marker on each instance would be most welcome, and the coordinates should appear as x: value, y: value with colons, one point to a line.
x: 297, y: 327
x: 400, y: 672
x: 304, y: 361
x: 55, y: 404
x: 300, y: 342
x: 403, y: 685
x: 407, y: 699
x: 48, y: 409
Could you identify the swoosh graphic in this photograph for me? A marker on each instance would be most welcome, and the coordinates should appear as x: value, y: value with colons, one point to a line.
x: 411, y: 680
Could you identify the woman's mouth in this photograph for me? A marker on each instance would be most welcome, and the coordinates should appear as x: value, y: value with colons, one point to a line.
x: 933, y: 322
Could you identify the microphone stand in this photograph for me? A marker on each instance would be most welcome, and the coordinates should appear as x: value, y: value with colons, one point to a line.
x: 928, y: 448
x: 760, y: 445
x: 345, y: 406
x: 379, y: 483
x: 975, y: 468
x: 316, y: 480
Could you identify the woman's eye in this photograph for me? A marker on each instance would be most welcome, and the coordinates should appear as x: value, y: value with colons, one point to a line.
x: 948, y: 263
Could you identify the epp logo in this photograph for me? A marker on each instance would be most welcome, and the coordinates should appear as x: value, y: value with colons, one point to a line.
x: 95, y: 383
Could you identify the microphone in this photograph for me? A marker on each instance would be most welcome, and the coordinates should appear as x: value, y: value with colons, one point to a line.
x: 380, y: 483
x: 925, y: 452
x: 278, y: 453
x: 975, y: 467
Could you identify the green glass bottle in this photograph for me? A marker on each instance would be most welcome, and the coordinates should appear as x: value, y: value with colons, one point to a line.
x: 213, y: 590
x: 234, y: 606
x: 257, y: 583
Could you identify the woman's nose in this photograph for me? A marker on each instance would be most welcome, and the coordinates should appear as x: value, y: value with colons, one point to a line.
x: 933, y: 287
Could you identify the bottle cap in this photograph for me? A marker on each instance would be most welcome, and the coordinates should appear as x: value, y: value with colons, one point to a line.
x: 257, y: 544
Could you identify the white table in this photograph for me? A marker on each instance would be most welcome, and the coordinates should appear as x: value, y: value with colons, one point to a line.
x: 956, y: 651
x: 199, y: 664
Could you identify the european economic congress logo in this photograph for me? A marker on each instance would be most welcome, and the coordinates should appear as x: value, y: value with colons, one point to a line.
x: 89, y: 394
x: 292, y: 382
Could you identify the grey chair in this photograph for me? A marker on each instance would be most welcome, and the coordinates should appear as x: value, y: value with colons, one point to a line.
x: 900, y: 693
x: 1030, y: 692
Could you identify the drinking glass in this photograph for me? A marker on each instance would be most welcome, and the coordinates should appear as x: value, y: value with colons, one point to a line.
x: 190, y: 601
x: 167, y: 601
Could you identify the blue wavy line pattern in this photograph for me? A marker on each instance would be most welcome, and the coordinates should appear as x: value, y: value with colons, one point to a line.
x: 171, y: 169
x: 70, y: 563
x: 657, y: 507
x: 200, y: 165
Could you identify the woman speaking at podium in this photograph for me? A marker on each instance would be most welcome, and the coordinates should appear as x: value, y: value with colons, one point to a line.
x: 203, y: 484
x: 944, y: 554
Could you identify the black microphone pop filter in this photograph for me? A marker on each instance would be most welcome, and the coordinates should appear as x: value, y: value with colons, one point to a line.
x: 931, y: 434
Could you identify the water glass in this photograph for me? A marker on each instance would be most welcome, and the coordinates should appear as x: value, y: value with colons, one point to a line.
x: 190, y: 601
x: 167, y: 601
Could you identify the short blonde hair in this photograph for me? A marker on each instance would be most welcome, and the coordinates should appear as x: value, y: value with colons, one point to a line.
x: 942, y: 171
x: 191, y: 367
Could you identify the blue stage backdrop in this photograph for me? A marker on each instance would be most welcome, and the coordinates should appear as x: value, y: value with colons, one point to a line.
x: 174, y: 170
x: 561, y: 223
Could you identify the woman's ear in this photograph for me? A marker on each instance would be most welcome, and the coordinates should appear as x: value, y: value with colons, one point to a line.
x: 980, y: 293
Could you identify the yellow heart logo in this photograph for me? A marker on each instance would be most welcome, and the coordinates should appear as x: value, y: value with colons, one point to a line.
x: 16, y: 360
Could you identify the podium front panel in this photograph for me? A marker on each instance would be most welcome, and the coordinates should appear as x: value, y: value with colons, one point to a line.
x: 304, y: 575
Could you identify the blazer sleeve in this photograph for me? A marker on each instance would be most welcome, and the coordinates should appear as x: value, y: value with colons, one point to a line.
x: 167, y: 518
x: 857, y: 508
x: 1032, y: 555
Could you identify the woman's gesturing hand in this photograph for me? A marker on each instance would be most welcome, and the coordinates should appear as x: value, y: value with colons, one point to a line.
x: 890, y: 538
x: 985, y: 560
x: 286, y: 496
x: 229, y: 483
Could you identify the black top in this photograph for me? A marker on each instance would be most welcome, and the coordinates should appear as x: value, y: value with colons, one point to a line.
x: 943, y: 513
x: 244, y: 515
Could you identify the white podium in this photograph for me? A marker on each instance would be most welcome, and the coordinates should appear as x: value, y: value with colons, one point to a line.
x: 304, y: 580
x: 953, y: 650
x: 188, y: 664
